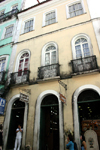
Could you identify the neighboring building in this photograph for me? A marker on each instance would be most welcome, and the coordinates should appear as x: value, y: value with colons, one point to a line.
x: 56, y: 42
x: 95, y: 17
x: 8, y: 25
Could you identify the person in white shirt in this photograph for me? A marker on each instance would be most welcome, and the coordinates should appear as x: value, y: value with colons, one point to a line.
x: 19, y: 131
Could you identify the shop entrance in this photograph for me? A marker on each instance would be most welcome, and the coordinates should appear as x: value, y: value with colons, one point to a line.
x: 49, y: 124
x: 89, y: 113
x: 17, y: 116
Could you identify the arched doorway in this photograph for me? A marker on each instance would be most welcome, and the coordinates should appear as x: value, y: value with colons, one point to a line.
x: 39, y: 106
x: 49, y: 124
x: 75, y: 109
x: 7, y: 122
x: 89, y: 114
x: 16, y: 118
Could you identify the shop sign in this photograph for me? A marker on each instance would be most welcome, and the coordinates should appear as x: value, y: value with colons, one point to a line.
x: 62, y: 98
x: 2, y: 105
x: 24, y: 98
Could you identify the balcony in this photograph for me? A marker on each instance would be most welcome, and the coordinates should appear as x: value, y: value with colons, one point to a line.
x: 86, y: 64
x: 8, y: 15
x: 48, y: 71
x: 2, y: 77
x: 21, y: 77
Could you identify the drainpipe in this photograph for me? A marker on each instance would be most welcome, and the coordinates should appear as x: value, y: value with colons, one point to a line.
x: 38, y: 1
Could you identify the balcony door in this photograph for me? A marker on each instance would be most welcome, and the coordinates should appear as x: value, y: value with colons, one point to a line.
x: 23, y: 68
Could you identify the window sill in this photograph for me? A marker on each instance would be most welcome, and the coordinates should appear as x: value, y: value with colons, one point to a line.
x: 49, y: 24
x: 27, y: 32
x: 76, y: 16
x: 48, y: 79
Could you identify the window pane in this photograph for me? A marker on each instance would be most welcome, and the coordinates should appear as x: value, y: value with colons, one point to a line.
x: 47, y: 58
x: 50, y: 18
x: 53, y: 57
x: 28, y: 26
x: 86, y: 50
x: 78, y: 51
x: 2, y: 64
x: 8, y: 32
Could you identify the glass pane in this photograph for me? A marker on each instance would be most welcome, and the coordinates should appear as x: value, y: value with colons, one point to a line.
x: 26, y: 63
x: 83, y: 40
x: 20, y: 65
x: 77, y: 42
x: 53, y: 57
x: 50, y: 48
x: 86, y: 50
x: 47, y: 58
x: 78, y: 51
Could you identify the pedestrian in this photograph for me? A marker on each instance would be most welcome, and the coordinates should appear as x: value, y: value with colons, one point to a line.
x: 83, y: 142
x: 70, y: 143
x: 19, y: 131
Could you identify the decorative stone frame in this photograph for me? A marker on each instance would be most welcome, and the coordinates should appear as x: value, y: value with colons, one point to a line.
x: 18, y: 58
x: 44, y: 16
x: 72, y: 3
x: 75, y: 109
x: 7, y: 122
x: 43, y: 52
x: 37, y: 120
x: 78, y: 36
x: 23, y: 25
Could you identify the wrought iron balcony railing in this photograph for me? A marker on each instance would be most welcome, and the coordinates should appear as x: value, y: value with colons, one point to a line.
x: 20, y: 77
x: 48, y: 71
x: 2, y: 77
x: 7, y: 16
x: 84, y: 64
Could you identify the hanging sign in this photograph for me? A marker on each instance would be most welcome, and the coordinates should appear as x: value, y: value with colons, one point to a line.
x: 62, y: 98
x: 24, y: 98
x: 2, y: 105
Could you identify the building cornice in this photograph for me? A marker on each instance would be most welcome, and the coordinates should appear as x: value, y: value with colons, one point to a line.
x: 39, y: 7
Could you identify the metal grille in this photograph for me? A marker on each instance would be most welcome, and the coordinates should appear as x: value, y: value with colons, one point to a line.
x: 84, y: 64
x: 20, y: 77
x: 48, y: 71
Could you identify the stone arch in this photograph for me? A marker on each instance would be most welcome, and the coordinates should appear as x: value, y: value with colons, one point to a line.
x: 37, y: 119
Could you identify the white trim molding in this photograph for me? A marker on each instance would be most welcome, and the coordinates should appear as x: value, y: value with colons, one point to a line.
x: 37, y: 120
x: 78, y: 36
x: 23, y: 24
x: 44, y: 16
x: 43, y: 51
x: 75, y: 109
x: 72, y: 3
x: 18, y: 58
x: 7, y: 121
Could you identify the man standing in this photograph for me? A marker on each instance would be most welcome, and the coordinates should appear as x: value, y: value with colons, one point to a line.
x: 19, y: 131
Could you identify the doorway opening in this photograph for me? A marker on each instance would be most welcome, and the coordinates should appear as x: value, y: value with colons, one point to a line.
x: 89, y: 112
x: 17, y: 117
x: 49, y: 123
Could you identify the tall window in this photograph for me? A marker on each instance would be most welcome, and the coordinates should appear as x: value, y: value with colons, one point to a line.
x: 50, y: 55
x: 75, y: 9
x: 28, y: 26
x: 82, y: 48
x: 2, y: 64
x: 50, y: 18
x: 23, y: 62
x: 8, y: 32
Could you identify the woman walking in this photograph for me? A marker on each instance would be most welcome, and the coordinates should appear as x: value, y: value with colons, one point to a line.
x: 70, y: 144
x: 83, y: 143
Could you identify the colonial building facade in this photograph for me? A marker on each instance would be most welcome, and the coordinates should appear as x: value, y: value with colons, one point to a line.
x: 56, y: 42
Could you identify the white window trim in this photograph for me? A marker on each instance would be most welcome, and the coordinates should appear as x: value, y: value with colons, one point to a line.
x: 18, y: 58
x: 2, y: 57
x: 23, y: 25
x: 72, y: 3
x: 13, y: 6
x: 78, y: 37
x: 43, y: 52
x: 3, y: 35
x: 44, y: 16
